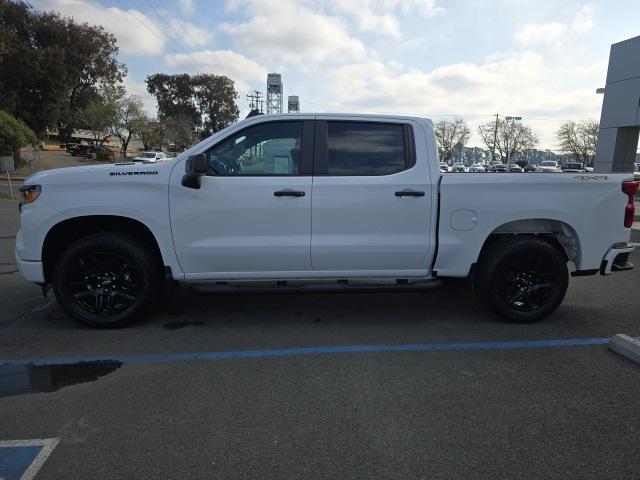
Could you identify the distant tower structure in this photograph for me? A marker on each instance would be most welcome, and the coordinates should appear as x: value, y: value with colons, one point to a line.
x: 274, y: 93
x: 293, y: 103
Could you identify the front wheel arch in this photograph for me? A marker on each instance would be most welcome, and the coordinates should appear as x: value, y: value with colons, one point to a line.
x: 67, y: 231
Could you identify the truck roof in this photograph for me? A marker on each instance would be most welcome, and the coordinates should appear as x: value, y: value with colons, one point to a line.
x: 345, y: 115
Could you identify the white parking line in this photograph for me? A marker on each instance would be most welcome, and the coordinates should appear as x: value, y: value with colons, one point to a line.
x: 48, y: 444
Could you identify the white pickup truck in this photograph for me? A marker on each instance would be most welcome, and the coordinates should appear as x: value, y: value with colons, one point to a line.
x: 289, y: 200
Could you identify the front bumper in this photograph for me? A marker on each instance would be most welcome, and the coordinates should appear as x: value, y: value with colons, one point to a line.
x: 617, y: 259
x: 31, y: 270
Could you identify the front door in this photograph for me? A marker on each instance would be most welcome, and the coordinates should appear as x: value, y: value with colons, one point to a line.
x: 252, y: 215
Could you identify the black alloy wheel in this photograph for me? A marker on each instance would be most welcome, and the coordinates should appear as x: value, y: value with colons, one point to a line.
x: 523, y: 278
x: 526, y: 282
x: 104, y: 283
x: 107, y: 279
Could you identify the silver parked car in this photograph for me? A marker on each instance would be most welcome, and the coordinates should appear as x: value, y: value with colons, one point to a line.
x: 549, y: 166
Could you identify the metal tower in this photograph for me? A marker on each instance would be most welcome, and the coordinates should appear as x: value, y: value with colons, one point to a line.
x: 274, y: 93
x: 293, y: 103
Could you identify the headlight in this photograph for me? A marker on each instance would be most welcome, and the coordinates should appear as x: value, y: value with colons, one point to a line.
x: 29, y: 194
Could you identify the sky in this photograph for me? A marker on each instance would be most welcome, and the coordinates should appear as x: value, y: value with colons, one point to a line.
x: 539, y: 59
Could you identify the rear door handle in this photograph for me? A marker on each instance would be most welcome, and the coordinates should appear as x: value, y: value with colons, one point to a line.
x: 289, y: 193
x: 409, y: 193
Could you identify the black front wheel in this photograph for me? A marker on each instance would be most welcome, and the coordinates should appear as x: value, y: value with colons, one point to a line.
x: 107, y: 280
x: 523, y: 278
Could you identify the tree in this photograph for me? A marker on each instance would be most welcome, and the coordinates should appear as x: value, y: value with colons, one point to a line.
x: 507, y: 138
x: 51, y: 66
x: 579, y: 139
x: 451, y: 135
x: 178, y: 130
x: 14, y: 133
x: 151, y: 133
x: 96, y: 116
x: 216, y: 97
x: 127, y: 116
x: 202, y: 103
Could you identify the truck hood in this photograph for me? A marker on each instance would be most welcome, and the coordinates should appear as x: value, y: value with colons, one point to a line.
x: 95, y: 172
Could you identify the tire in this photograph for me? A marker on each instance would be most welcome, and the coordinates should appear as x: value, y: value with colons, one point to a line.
x: 522, y: 278
x: 107, y: 280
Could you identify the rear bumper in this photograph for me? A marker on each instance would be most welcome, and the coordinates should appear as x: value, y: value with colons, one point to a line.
x: 31, y: 270
x: 617, y: 259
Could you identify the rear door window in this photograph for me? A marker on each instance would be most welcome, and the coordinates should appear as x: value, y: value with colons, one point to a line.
x: 361, y: 148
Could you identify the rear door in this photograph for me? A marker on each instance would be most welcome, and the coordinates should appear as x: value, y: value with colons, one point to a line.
x: 371, y: 204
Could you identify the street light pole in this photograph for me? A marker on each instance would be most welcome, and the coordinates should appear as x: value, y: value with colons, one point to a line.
x: 513, y: 123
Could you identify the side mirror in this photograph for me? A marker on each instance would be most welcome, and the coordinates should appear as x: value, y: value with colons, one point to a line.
x: 195, y: 167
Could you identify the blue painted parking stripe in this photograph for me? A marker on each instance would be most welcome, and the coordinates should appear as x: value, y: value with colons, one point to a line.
x: 319, y: 350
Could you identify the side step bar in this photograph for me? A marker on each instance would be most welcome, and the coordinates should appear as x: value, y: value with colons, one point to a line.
x: 340, y: 286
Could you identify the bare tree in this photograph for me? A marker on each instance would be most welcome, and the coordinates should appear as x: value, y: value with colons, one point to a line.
x: 128, y: 115
x: 451, y: 135
x: 507, y: 138
x: 579, y: 139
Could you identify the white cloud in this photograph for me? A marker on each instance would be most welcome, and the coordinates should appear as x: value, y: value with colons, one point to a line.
x: 422, y: 8
x: 132, y: 28
x: 239, y: 68
x: 583, y: 20
x: 540, y: 33
x: 287, y: 32
x: 513, y: 83
x: 190, y: 35
x: 187, y: 7
x: 140, y: 89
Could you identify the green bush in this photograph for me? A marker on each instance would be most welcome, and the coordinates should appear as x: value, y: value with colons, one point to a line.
x: 104, y: 156
x: 14, y: 133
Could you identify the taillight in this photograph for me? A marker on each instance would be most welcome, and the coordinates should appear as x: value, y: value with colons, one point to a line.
x: 630, y: 187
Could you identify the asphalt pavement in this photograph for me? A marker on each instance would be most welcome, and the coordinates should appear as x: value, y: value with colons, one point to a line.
x: 400, y: 385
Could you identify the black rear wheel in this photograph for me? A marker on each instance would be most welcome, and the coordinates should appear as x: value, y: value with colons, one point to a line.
x: 107, y: 279
x: 523, y: 278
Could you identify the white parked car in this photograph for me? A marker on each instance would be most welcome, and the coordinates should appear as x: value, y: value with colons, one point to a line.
x: 636, y: 171
x: 477, y: 168
x: 150, y: 157
x: 458, y: 167
x: 549, y: 166
x: 288, y: 199
x: 444, y: 168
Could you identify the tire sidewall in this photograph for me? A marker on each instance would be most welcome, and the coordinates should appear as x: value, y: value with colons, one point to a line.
x: 67, y: 263
x: 522, y: 247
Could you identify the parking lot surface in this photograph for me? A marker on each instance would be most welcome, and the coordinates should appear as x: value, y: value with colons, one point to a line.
x: 400, y: 385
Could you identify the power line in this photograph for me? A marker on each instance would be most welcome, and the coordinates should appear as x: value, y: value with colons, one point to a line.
x: 195, y: 40
x: 146, y: 26
x: 137, y: 8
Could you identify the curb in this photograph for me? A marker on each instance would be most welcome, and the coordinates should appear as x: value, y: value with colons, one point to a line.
x: 626, y: 346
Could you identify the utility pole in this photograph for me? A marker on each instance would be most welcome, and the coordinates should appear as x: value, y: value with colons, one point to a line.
x: 495, y: 140
x: 254, y: 100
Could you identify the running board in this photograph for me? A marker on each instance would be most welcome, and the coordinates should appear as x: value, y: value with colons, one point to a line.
x: 339, y: 286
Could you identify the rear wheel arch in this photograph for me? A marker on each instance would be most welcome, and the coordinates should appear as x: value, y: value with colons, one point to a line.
x: 558, y: 233
x: 64, y: 233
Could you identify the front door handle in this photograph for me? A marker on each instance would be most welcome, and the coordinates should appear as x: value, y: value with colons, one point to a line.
x: 289, y: 193
x: 409, y: 193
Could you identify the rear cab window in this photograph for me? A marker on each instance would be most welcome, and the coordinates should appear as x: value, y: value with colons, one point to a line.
x: 353, y: 148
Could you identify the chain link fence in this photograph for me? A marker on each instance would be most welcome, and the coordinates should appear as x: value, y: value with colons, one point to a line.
x: 7, y: 167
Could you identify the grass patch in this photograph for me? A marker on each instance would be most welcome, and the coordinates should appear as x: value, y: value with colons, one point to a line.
x: 5, y: 196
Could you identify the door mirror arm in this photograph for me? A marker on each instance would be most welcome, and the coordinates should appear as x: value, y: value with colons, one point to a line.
x: 195, y: 167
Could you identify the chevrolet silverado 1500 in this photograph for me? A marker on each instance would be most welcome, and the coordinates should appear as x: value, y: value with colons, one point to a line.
x: 288, y: 200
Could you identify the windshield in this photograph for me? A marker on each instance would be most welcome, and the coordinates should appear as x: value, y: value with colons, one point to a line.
x: 147, y: 155
x: 549, y: 164
x: 575, y: 166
